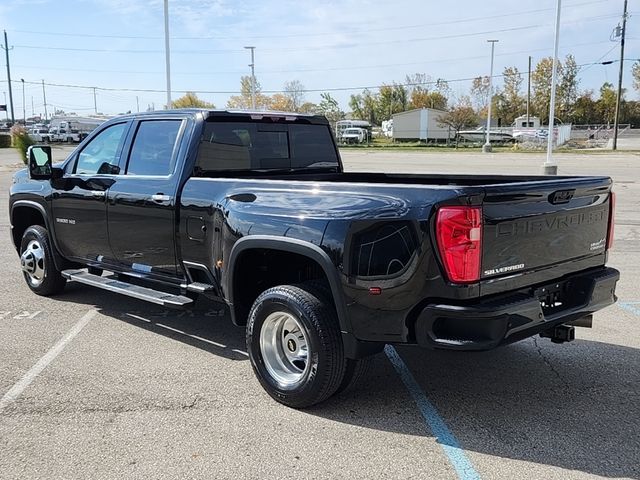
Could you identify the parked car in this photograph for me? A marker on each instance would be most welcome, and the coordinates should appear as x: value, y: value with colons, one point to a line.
x: 40, y: 135
x: 64, y: 135
x: 321, y: 267
x: 354, y: 135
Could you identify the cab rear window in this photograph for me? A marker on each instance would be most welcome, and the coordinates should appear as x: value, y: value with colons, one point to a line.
x: 229, y: 146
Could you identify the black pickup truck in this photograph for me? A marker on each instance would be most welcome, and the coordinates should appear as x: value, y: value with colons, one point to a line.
x: 322, y: 266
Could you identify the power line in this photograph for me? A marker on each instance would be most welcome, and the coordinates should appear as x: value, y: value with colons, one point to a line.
x: 318, y: 34
x: 323, y: 69
x: 310, y: 90
x: 308, y: 48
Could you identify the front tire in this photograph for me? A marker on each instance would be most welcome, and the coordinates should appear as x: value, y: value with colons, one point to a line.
x: 36, y: 260
x: 295, y: 347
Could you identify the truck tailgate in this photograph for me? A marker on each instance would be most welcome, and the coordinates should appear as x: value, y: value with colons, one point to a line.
x: 535, y: 225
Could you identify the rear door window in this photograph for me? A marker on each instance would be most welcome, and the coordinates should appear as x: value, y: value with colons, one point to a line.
x: 153, y: 148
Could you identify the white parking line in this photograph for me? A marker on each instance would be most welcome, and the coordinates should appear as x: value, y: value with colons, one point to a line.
x: 48, y: 357
x: 181, y: 332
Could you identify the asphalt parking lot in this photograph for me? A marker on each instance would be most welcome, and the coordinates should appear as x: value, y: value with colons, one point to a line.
x: 142, y: 392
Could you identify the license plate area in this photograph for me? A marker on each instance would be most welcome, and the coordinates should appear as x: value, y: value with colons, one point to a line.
x: 552, y: 297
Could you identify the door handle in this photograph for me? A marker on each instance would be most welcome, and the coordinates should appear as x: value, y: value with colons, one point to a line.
x: 98, y: 193
x: 160, y: 198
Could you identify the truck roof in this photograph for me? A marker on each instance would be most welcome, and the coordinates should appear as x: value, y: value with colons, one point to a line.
x: 254, y: 114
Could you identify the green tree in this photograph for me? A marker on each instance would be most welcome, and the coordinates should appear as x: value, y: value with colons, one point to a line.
x: 508, y: 101
x: 541, y: 88
x: 364, y: 106
x: 462, y: 115
x: 585, y: 109
x: 607, y: 103
x: 567, y: 93
x: 635, y: 73
x: 480, y: 94
x: 391, y: 99
x: 191, y: 100
x: 243, y: 101
x: 330, y: 108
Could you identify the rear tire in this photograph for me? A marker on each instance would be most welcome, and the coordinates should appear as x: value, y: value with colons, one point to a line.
x: 355, y: 368
x: 36, y: 259
x: 295, y: 347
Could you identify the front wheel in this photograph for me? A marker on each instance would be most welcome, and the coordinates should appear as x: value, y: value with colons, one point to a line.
x: 36, y: 260
x: 295, y: 347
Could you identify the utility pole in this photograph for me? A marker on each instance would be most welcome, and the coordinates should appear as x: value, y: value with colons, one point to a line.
x: 33, y: 112
x: 24, y: 108
x: 167, y: 52
x: 619, y: 96
x: 253, y: 78
x: 6, y: 111
x: 137, y: 104
x: 6, y: 52
x: 486, y: 148
x: 44, y: 98
x: 528, y: 90
x: 550, y: 167
x: 95, y: 102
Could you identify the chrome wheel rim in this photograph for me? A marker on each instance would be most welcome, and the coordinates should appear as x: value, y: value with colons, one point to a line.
x: 32, y: 263
x: 284, y: 348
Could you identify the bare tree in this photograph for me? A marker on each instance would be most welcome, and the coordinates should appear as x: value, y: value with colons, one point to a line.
x: 460, y: 116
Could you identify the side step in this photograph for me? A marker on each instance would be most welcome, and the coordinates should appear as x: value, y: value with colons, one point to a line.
x: 135, y: 291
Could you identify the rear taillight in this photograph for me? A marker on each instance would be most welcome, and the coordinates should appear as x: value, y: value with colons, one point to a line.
x: 612, y: 219
x: 459, y: 237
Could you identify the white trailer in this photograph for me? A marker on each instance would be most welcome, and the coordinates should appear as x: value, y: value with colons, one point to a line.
x: 421, y: 124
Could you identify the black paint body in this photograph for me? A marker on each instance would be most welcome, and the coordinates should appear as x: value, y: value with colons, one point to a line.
x: 362, y: 229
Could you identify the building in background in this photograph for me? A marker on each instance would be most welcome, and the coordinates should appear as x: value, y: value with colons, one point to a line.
x: 421, y: 124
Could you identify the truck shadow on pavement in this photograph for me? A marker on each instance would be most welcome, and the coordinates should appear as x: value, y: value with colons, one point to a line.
x: 575, y: 406
x: 207, y: 326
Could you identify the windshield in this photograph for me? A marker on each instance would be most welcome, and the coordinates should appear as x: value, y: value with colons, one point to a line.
x: 265, y: 146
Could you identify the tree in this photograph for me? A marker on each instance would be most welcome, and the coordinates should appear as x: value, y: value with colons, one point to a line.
x: 480, y: 93
x: 508, y: 101
x: 541, y: 88
x: 294, y: 93
x: 243, y: 101
x: 421, y: 96
x: 585, y: 109
x: 191, y: 100
x: 635, y: 73
x: 607, y: 103
x: 364, y: 106
x: 426, y: 99
x: 391, y: 99
x: 280, y: 102
x: 568, y: 87
x: 308, y: 107
x: 462, y: 115
x: 330, y: 108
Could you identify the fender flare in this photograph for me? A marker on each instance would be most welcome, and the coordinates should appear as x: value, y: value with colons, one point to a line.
x: 292, y: 245
x: 57, y: 258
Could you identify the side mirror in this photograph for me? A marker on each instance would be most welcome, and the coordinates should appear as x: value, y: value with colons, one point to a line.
x: 39, y: 162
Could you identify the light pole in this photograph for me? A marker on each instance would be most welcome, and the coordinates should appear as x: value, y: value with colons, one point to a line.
x: 486, y: 148
x: 24, y: 108
x: 619, y: 95
x: 167, y: 52
x: 253, y: 78
x: 551, y: 167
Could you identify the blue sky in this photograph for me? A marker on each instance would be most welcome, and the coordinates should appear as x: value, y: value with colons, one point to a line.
x: 333, y: 44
